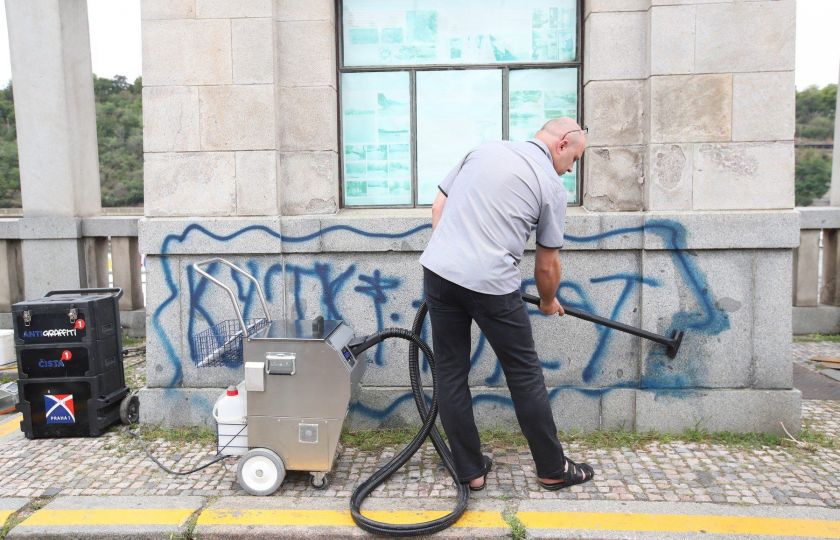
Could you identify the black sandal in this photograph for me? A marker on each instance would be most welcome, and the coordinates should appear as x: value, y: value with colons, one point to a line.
x: 488, y: 465
x: 573, y: 475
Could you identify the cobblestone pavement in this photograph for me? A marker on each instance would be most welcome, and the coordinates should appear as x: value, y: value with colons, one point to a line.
x: 114, y: 464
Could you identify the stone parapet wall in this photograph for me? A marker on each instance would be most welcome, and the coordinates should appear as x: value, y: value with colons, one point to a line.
x: 723, y: 277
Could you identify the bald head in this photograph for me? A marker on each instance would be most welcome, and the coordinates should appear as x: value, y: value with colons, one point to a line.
x: 556, y: 128
x: 565, y: 140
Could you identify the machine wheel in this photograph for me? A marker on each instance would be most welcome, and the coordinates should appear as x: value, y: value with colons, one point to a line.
x: 260, y: 472
x: 319, y: 481
x: 130, y: 409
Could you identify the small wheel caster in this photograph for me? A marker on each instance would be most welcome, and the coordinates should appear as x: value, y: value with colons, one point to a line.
x: 260, y: 472
x: 319, y: 480
x: 130, y: 409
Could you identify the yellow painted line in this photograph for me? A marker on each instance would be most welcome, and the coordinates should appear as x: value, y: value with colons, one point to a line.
x: 710, y: 524
x: 4, y: 515
x: 11, y: 425
x: 108, y: 516
x: 335, y: 518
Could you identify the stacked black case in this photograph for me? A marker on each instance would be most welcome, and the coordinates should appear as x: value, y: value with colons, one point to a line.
x: 69, y: 353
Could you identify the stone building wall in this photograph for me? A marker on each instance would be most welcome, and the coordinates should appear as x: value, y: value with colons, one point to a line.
x: 686, y: 223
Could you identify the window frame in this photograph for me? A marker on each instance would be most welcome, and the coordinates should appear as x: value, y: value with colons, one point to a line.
x: 412, y: 70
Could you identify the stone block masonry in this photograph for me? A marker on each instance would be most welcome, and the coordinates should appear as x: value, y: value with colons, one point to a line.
x: 686, y: 220
x: 689, y: 277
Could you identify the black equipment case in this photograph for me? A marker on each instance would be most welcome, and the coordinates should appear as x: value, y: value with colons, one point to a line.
x: 69, y: 351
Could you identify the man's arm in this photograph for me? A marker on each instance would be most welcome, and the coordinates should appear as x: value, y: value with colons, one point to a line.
x: 547, y: 272
x: 437, y: 208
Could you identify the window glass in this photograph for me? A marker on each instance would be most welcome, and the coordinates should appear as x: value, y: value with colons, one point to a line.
x: 376, y: 128
x: 424, y: 81
x: 433, y: 32
x: 456, y: 111
x: 537, y: 95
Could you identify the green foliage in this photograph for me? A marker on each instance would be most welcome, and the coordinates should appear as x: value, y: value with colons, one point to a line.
x: 815, y: 113
x: 615, y: 439
x: 119, y: 129
x: 813, y: 175
x: 834, y: 338
x: 518, y: 531
x: 9, y: 172
x: 189, y: 434
x: 815, y: 110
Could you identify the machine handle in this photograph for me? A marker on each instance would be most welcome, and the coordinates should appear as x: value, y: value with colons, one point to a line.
x: 116, y: 291
x: 673, y: 343
x: 197, y: 267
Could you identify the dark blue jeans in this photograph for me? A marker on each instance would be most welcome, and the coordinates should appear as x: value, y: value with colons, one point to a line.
x: 504, y: 322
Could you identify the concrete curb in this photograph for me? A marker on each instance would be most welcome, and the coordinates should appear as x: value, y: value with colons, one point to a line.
x: 230, y: 518
x: 9, y: 506
x: 289, y: 517
x: 660, y: 520
x: 110, y: 518
x: 11, y: 426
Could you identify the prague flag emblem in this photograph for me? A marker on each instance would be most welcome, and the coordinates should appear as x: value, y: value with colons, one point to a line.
x: 60, y: 409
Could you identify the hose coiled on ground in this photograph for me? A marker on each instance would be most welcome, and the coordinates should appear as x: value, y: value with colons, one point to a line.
x: 428, y: 415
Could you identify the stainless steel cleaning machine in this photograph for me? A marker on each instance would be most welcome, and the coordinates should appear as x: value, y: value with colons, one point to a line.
x: 301, y: 378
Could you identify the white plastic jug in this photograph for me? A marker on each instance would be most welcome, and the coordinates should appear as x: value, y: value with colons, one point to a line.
x: 7, y: 347
x: 230, y: 413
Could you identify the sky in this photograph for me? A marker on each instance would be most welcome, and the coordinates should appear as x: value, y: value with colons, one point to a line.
x: 115, y: 40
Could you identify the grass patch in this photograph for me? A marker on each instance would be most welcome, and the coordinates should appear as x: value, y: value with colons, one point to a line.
x: 189, y: 528
x: 5, y: 377
x: 376, y: 439
x: 740, y: 440
x: 517, y: 528
x: 816, y: 438
x: 500, y: 437
x: 191, y: 434
x: 129, y: 341
x: 18, y: 517
x: 833, y: 338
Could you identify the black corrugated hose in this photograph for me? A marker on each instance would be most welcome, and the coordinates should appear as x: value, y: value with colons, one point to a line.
x: 428, y: 415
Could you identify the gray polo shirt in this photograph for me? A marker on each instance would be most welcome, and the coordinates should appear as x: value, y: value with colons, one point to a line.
x: 496, y: 196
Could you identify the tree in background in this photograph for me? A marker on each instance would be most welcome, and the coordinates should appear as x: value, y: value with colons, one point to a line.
x: 813, y: 175
x: 815, y: 110
x: 119, y: 129
x: 9, y: 172
x: 815, y: 113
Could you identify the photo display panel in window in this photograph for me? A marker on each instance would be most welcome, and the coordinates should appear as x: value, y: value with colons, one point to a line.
x: 538, y: 95
x: 376, y: 122
x: 456, y: 111
x: 424, y: 81
x: 447, y: 32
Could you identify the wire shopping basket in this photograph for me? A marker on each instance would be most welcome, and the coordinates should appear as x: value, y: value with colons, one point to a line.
x: 221, y: 344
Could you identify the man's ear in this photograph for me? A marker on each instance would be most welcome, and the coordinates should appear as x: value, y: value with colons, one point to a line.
x: 561, y: 144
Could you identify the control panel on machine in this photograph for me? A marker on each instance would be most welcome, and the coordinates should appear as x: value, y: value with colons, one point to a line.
x: 348, y: 357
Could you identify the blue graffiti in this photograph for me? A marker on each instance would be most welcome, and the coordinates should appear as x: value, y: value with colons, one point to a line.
x: 658, y: 373
x: 375, y: 287
x: 172, y: 286
x: 330, y: 287
x: 630, y: 283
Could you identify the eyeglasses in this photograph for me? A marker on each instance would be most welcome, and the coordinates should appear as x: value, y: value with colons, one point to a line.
x: 584, y: 129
